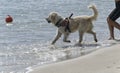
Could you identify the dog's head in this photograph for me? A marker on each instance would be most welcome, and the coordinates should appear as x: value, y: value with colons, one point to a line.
x: 53, y: 18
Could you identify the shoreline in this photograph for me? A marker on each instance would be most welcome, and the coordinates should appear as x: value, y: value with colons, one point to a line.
x: 104, y: 60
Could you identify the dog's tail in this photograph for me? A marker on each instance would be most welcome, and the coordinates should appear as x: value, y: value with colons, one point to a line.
x: 95, y: 15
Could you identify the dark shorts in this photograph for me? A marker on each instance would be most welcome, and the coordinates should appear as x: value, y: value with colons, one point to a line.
x: 115, y: 14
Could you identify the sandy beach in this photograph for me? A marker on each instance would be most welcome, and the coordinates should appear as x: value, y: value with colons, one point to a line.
x: 104, y: 60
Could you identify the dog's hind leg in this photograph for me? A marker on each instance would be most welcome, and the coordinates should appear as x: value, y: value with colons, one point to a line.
x: 57, y: 37
x: 65, y: 37
x: 94, y: 34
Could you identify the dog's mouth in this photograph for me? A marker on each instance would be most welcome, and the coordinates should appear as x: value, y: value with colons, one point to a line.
x: 48, y: 20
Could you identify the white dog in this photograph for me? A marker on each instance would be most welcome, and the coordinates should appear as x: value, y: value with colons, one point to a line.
x: 81, y: 23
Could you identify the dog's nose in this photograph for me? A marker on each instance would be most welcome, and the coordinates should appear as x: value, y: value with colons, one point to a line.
x: 48, y: 20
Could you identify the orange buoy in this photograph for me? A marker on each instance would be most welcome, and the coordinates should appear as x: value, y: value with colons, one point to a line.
x: 9, y: 19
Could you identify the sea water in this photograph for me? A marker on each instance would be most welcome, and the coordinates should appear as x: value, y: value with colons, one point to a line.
x: 26, y: 42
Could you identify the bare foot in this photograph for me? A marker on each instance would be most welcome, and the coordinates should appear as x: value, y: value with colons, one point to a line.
x: 111, y: 38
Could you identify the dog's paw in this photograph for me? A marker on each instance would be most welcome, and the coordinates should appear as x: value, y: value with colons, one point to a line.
x: 52, y: 43
x: 68, y: 41
x: 78, y: 44
x: 96, y: 40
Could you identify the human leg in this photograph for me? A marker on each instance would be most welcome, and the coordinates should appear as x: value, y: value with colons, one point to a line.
x: 111, y: 29
x: 111, y: 20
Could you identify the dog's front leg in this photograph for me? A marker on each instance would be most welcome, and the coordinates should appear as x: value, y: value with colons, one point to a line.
x: 65, y: 37
x: 57, y: 37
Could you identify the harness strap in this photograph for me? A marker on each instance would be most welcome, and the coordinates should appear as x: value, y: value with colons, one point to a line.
x: 58, y: 24
x: 63, y: 23
x: 67, y: 28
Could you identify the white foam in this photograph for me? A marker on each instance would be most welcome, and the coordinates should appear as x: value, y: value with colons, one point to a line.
x: 9, y: 24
